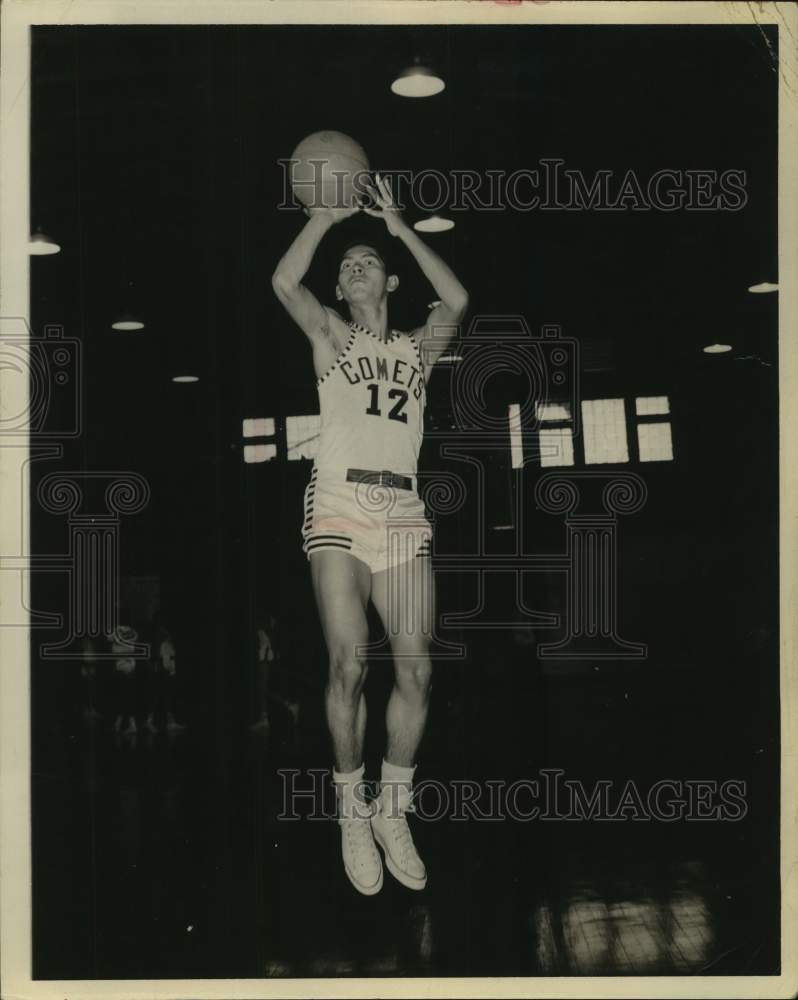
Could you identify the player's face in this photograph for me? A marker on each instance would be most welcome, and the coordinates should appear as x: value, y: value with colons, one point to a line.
x: 361, y: 275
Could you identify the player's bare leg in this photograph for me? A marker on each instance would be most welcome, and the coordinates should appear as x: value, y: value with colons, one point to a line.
x: 404, y: 597
x: 341, y: 585
x: 406, y: 715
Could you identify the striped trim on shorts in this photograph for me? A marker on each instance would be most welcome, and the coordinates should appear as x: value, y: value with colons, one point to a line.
x: 338, y: 518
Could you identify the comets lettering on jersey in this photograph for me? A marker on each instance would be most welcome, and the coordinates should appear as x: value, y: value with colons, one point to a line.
x: 384, y: 369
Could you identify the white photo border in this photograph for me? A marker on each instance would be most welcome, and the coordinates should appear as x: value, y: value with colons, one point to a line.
x: 15, y: 801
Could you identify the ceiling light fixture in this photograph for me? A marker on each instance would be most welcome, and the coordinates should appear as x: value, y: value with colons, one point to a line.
x: 434, y: 224
x: 417, y: 81
x: 40, y: 245
x: 127, y: 322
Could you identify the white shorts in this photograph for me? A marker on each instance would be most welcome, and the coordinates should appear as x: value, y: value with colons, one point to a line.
x: 381, y: 525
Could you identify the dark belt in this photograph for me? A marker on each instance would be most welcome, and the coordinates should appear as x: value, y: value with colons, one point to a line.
x: 384, y: 478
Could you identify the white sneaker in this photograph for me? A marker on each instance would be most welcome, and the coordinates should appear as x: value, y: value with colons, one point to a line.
x: 393, y: 835
x: 361, y: 858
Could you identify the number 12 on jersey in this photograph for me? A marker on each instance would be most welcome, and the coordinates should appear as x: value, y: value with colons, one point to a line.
x: 396, y: 411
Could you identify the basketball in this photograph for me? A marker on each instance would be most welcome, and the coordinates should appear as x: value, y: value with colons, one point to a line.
x: 323, y: 169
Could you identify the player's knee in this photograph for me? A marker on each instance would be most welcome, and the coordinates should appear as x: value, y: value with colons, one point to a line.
x: 347, y: 671
x: 414, y: 674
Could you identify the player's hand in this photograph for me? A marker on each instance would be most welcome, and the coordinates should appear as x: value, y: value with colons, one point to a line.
x: 386, y: 208
x: 332, y: 215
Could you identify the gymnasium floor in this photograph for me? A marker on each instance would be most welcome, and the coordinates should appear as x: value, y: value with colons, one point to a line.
x: 162, y: 856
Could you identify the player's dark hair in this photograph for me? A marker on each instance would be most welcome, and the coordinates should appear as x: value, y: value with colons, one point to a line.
x: 363, y: 237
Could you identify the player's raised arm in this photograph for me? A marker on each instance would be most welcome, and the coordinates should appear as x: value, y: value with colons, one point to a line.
x: 301, y: 304
x: 443, y: 321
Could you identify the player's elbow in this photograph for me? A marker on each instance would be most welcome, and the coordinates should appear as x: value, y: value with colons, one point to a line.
x: 459, y: 305
x: 284, y: 287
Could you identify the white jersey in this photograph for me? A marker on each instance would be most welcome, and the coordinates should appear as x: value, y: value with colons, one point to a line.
x: 372, y: 405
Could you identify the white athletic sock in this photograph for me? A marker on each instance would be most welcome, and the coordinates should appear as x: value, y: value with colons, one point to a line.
x: 396, y: 785
x: 350, y: 790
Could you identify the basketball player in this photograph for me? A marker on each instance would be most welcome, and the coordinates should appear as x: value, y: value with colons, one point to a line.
x: 365, y: 531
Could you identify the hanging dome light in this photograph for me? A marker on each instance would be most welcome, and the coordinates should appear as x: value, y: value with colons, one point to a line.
x: 417, y: 81
x: 434, y: 224
x: 762, y: 287
x: 717, y: 348
x: 184, y: 379
x: 40, y: 245
x: 127, y: 322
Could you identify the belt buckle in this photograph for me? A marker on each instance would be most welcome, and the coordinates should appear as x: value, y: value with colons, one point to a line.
x: 386, y: 477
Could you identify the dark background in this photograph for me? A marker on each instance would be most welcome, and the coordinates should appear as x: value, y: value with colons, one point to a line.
x: 154, y: 161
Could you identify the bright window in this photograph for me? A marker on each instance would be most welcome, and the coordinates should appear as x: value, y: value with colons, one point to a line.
x: 655, y: 442
x: 256, y: 427
x: 259, y: 453
x: 604, y: 424
x: 556, y: 447
x: 302, y: 436
x: 648, y: 406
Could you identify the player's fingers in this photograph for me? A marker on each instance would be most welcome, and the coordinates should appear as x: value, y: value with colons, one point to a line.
x: 372, y: 211
x: 385, y: 188
x: 375, y: 196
